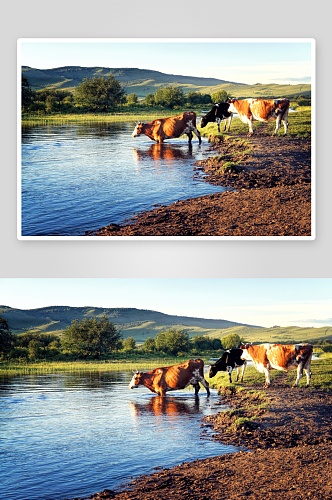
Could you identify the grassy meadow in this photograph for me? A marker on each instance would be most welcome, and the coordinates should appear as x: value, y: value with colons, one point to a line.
x: 44, y: 367
x: 321, y: 377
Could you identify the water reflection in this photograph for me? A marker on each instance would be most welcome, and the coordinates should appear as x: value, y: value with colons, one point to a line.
x: 169, y: 406
x: 163, y: 152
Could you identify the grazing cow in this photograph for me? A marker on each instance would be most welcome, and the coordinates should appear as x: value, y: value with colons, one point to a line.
x: 218, y: 113
x: 172, y: 378
x: 229, y: 360
x: 261, y: 109
x: 169, y: 128
x: 267, y: 357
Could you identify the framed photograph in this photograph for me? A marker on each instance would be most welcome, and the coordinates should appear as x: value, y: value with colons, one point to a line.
x: 214, y: 140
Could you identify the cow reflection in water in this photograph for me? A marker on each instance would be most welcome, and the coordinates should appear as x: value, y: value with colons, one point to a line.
x: 172, y: 407
x: 166, y: 152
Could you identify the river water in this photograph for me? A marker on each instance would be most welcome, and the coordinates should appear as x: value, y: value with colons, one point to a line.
x: 69, y: 435
x: 80, y: 177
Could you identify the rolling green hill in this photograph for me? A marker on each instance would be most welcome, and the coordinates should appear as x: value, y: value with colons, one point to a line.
x: 143, y: 81
x: 137, y: 323
x: 141, y: 324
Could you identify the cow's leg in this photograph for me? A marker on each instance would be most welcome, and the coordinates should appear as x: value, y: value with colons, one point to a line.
x: 218, y: 123
x: 285, y: 122
x: 196, y: 387
x: 308, y: 371
x: 278, y: 122
x: 190, y: 136
x: 229, y: 122
x: 267, y: 377
x: 198, y: 135
x: 251, y: 128
x: 299, y: 374
x: 229, y: 369
x: 243, y: 368
x: 205, y: 384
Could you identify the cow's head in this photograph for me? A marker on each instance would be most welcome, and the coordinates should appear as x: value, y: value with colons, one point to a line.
x: 135, y: 381
x: 219, y: 365
x: 213, y: 370
x: 138, y: 129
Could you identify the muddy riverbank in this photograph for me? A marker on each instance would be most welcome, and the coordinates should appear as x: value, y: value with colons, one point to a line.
x: 270, y: 178
x: 290, y: 455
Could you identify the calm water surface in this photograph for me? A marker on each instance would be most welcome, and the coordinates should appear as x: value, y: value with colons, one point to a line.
x: 68, y: 435
x: 79, y: 177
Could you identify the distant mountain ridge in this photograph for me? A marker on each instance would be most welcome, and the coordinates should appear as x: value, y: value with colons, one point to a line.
x: 76, y: 74
x: 140, y: 321
x: 144, y: 81
x: 143, y: 323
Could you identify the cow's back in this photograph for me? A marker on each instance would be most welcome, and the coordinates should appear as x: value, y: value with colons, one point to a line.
x: 178, y: 376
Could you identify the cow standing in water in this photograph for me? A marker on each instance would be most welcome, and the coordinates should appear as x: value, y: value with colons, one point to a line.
x: 261, y: 109
x: 169, y: 128
x: 171, y: 378
x: 267, y: 357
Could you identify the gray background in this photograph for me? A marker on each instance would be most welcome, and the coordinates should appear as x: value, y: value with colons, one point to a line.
x: 167, y: 258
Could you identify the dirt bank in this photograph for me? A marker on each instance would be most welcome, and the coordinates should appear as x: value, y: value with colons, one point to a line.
x: 272, y: 194
x: 290, y: 453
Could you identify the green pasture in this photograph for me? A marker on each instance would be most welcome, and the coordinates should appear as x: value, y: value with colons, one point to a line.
x: 44, y: 367
x: 321, y: 377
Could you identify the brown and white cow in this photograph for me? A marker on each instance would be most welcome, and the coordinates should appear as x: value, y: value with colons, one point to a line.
x: 262, y: 110
x: 169, y: 128
x: 171, y: 378
x: 267, y: 357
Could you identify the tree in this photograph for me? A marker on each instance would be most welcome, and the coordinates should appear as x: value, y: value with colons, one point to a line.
x: 197, y: 98
x: 169, y: 96
x: 201, y: 342
x: 149, y: 99
x: 91, y: 337
x: 26, y: 93
x: 128, y: 344
x: 172, y: 341
x: 219, y: 96
x: 149, y: 345
x: 231, y: 340
x: 34, y: 349
x: 132, y: 98
x: 6, y: 337
x: 99, y: 93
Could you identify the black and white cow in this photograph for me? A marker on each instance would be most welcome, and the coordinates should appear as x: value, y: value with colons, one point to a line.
x: 229, y: 360
x: 218, y: 113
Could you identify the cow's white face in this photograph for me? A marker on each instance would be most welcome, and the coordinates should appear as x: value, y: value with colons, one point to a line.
x: 134, y: 381
x: 137, y: 130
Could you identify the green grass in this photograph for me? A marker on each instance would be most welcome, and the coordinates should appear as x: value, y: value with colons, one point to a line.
x: 15, y: 368
x: 299, y: 126
x: 321, y: 376
x: 116, y: 117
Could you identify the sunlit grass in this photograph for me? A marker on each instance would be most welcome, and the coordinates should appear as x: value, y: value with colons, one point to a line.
x: 321, y: 376
x: 89, y: 366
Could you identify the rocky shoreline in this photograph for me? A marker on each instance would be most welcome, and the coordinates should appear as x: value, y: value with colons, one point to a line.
x: 286, y: 452
x: 270, y: 179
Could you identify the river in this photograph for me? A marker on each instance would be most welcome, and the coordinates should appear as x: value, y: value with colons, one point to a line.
x: 80, y: 177
x: 73, y: 434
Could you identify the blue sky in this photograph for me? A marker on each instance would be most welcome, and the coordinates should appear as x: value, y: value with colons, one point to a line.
x: 263, y: 302
x: 250, y: 61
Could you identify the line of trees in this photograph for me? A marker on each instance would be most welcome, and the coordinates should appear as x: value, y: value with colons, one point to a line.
x: 98, y: 338
x: 106, y: 94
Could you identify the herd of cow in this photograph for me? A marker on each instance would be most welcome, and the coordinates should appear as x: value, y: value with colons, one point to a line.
x: 247, y: 109
x: 265, y: 357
